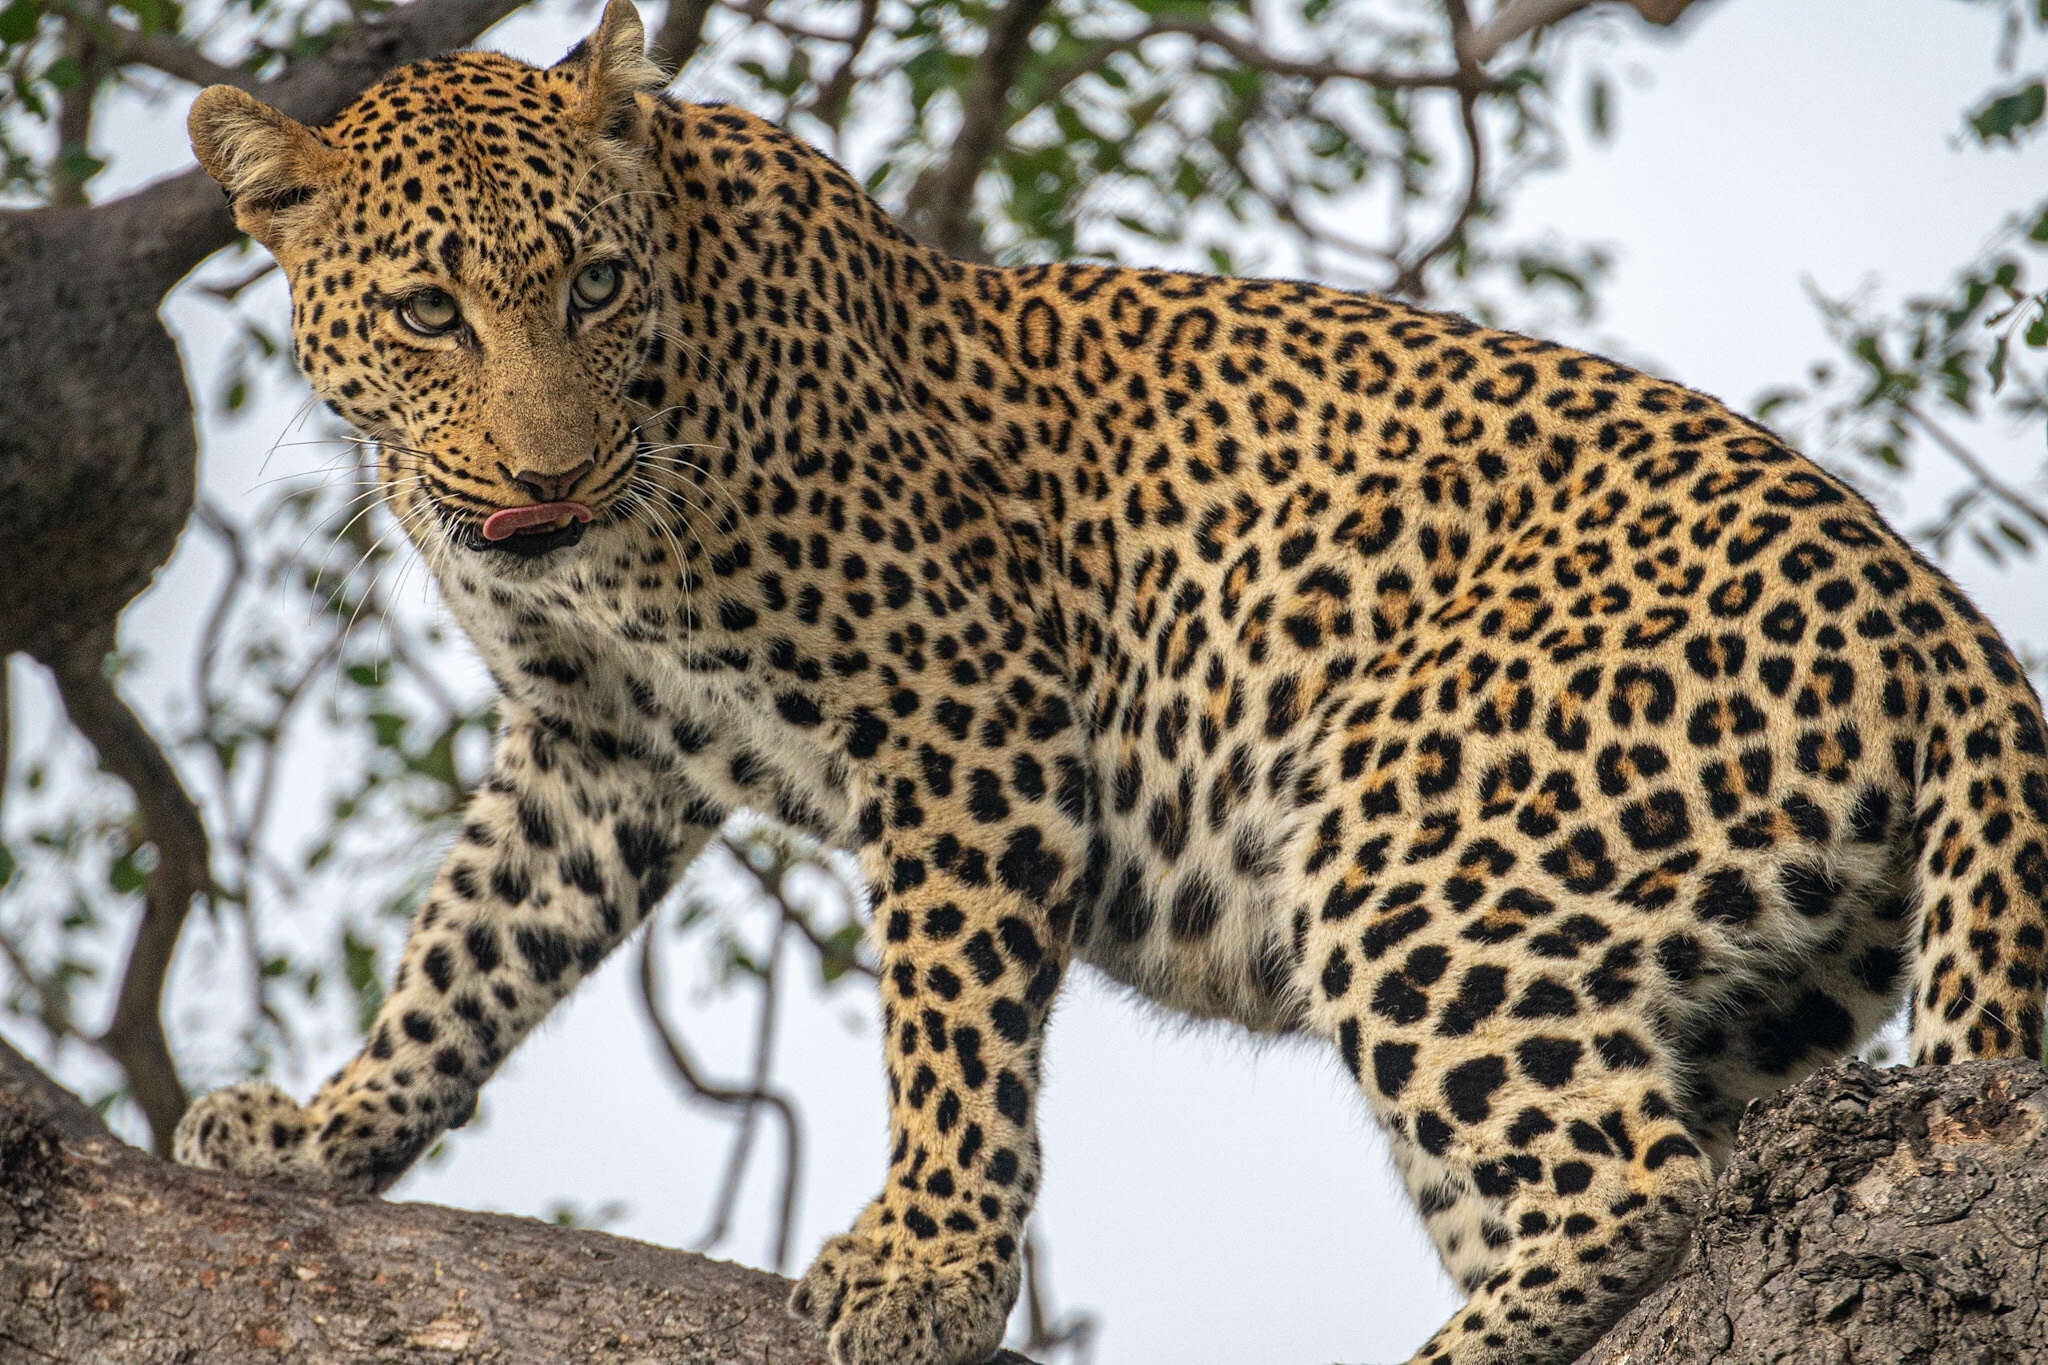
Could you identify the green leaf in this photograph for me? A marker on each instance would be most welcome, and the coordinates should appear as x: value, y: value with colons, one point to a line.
x: 18, y: 21
x: 1600, y: 108
x: 6, y: 865
x: 2012, y: 114
x: 2037, y: 330
x: 63, y: 73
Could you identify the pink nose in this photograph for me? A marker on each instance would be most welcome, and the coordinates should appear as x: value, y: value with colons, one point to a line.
x: 552, y: 487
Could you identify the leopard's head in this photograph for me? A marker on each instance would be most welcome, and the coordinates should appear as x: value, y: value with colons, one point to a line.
x: 471, y: 252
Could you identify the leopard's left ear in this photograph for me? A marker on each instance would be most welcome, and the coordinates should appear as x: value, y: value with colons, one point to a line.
x: 615, y: 71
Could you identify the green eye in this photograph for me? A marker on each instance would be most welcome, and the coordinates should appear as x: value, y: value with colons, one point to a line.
x: 431, y: 312
x: 596, y: 284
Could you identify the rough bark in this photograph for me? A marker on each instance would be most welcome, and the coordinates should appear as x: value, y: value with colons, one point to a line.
x: 97, y: 451
x: 1868, y: 1217
x: 110, y: 1256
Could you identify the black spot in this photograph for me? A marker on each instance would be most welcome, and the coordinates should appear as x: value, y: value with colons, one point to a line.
x: 1550, y: 1062
x: 1027, y: 866
x: 1817, y: 1023
x: 1392, y: 1066
x: 1196, y: 908
x: 547, y: 951
x: 1480, y: 993
x: 1013, y: 1102
x: 1571, y: 1177
x: 1469, y: 1086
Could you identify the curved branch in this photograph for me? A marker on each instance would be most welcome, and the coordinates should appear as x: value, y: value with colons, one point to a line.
x: 1410, y: 282
x: 32, y: 1091
x: 685, y: 1068
x: 134, y: 1037
x: 159, y: 51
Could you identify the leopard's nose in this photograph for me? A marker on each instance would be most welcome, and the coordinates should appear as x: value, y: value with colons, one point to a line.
x: 552, y: 487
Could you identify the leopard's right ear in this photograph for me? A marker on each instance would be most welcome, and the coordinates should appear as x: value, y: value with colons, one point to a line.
x: 271, y: 165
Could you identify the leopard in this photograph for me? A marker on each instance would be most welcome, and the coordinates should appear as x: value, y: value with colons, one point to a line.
x: 1568, y: 753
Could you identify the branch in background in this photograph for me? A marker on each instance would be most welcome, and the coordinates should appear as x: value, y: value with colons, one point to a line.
x: 685, y: 1069
x: 119, y: 45
x: 1517, y: 18
x: 134, y: 1037
x: 830, y: 104
x: 764, y: 1063
x: 940, y: 208
x: 73, y: 165
x: 1978, y: 470
x: 680, y: 35
x: 1410, y: 281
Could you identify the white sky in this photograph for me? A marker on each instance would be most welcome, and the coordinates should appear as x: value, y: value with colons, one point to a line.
x: 1212, y: 1201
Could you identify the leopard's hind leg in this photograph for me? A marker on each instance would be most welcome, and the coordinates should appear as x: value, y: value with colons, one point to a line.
x: 1548, y: 1157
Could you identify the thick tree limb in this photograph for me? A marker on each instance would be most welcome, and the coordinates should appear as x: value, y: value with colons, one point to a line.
x: 111, y: 1256
x: 96, y: 441
x: 1868, y: 1217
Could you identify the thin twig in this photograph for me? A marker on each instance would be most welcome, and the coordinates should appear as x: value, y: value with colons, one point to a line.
x: 764, y: 1061
x: 1978, y: 470
x: 685, y: 1069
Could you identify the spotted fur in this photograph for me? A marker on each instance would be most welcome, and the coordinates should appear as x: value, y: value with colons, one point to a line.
x: 1579, y: 760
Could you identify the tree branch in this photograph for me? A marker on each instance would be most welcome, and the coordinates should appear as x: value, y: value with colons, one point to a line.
x: 30, y: 1091
x: 940, y: 211
x: 160, y: 51
x: 680, y: 35
x: 1978, y: 470
x: 679, y: 1060
x: 109, y: 1255
x: 1516, y: 18
x: 134, y: 1037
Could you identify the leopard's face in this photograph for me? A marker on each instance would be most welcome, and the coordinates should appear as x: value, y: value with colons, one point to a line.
x: 470, y: 253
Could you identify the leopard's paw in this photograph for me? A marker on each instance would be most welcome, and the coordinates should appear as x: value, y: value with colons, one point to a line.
x: 943, y: 1304
x: 252, y: 1129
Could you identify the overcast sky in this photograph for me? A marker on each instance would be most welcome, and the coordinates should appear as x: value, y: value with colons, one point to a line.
x: 1213, y: 1201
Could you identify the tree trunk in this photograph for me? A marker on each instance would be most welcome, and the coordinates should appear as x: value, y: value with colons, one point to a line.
x: 1867, y: 1218
x: 97, y: 452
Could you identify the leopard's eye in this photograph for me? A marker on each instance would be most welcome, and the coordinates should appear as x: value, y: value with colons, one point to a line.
x: 596, y: 284
x: 430, y: 312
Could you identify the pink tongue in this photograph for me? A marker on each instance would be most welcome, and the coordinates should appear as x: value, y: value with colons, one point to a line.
x: 512, y: 520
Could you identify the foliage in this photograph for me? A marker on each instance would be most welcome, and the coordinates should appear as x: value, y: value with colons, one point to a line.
x: 1977, y: 347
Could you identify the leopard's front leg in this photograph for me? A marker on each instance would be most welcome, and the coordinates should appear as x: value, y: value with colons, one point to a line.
x: 972, y: 955
x: 563, y: 852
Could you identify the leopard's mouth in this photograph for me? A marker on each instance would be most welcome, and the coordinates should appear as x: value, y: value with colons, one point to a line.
x: 529, y: 531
